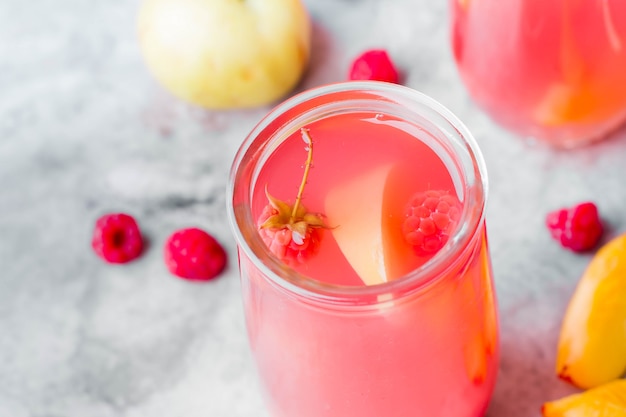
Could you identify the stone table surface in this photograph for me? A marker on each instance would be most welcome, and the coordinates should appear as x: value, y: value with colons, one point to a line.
x: 85, y: 130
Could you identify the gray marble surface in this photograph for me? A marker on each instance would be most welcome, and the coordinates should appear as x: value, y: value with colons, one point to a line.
x: 85, y: 130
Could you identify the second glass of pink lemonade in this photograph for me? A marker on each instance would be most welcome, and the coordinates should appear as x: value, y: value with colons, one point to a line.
x: 550, y: 70
x: 358, y: 210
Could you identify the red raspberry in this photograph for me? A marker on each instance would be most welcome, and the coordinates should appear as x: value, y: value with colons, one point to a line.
x: 290, y: 232
x: 285, y: 243
x: 195, y: 255
x: 578, y: 228
x: 431, y: 217
x: 116, y: 238
x: 374, y: 64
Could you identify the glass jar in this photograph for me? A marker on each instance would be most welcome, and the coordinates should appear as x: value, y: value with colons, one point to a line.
x: 549, y: 70
x: 425, y: 343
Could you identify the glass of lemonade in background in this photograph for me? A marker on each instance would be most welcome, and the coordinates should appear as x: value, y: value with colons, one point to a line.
x: 390, y: 309
x: 552, y: 70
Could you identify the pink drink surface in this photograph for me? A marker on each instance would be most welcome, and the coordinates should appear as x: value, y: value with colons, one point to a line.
x: 432, y: 353
x: 553, y: 70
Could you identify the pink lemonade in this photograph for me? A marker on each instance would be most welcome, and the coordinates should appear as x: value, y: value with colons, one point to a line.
x: 368, y: 325
x: 554, y: 70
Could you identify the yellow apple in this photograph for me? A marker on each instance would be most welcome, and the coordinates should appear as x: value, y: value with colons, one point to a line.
x: 225, y: 54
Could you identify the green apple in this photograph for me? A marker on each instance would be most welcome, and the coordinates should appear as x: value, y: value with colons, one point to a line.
x: 225, y: 54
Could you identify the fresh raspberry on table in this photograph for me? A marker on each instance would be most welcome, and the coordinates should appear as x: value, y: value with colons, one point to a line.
x: 430, y: 219
x: 374, y: 64
x: 194, y: 255
x: 292, y: 245
x: 577, y: 228
x: 117, y: 238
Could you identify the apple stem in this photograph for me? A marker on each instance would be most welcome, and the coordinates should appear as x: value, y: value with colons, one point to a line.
x: 306, y: 137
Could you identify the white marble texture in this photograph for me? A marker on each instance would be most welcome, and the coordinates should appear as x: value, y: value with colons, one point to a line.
x: 85, y: 130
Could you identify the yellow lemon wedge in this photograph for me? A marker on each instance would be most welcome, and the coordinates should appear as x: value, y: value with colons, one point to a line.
x: 608, y: 400
x: 592, y: 342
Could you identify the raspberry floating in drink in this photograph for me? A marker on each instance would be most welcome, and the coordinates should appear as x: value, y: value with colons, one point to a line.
x: 290, y: 232
x: 431, y: 217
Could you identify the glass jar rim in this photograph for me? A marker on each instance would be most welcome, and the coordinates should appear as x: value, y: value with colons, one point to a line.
x: 463, y: 143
